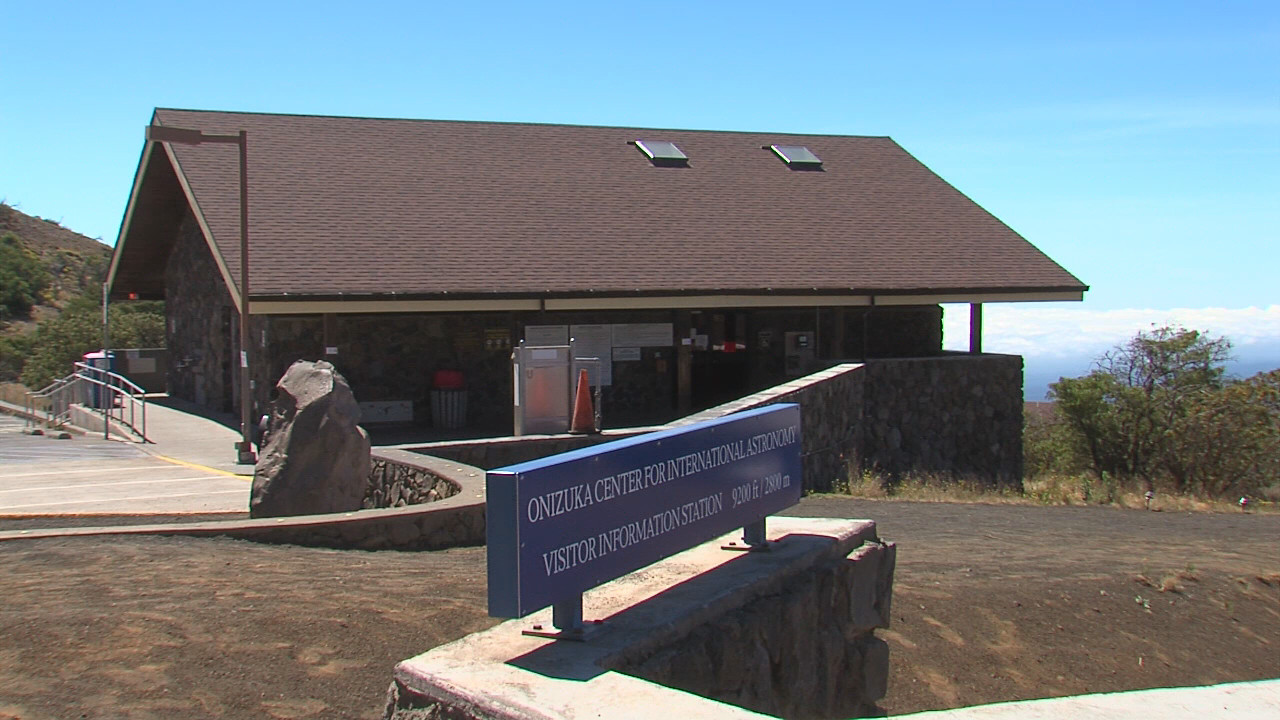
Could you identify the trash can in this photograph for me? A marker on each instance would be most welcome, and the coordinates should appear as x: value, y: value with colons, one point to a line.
x: 448, y: 400
x: 99, y: 397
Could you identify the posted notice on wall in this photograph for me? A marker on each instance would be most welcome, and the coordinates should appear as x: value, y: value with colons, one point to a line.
x: 594, y: 341
x: 643, y: 335
x: 620, y: 342
x: 543, y: 335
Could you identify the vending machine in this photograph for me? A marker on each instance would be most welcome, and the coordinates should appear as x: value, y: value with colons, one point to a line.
x: 800, y: 353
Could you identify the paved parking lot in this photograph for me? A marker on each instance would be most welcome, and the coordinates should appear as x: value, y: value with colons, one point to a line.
x: 43, y: 475
x: 18, y: 447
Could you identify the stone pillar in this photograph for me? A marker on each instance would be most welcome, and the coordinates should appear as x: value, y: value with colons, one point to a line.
x: 837, y: 335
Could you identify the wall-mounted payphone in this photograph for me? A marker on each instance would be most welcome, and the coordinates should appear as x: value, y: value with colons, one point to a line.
x: 799, y: 353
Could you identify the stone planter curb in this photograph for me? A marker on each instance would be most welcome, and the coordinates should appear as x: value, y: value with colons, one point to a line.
x: 453, y: 521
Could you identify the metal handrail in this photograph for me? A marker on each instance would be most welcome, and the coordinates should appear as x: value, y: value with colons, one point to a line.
x: 77, y: 388
x: 53, y: 398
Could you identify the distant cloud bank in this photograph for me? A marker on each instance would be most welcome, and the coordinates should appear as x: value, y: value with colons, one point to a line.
x: 1069, y: 332
x: 1060, y: 341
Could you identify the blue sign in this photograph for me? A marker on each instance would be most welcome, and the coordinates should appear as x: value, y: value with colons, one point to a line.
x: 567, y: 523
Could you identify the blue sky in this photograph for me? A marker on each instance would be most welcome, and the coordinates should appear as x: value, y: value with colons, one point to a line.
x: 1136, y: 143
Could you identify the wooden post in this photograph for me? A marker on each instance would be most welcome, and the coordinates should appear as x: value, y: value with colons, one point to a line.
x: 837, y: 336
x: 684, y: 362
x: 975, y: 327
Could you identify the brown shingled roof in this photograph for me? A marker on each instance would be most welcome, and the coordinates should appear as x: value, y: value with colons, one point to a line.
x: 354, y: 206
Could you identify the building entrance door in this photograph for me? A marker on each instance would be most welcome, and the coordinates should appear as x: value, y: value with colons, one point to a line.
x: 720, y: 353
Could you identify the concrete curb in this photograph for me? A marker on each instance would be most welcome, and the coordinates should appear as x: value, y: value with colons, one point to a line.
x: 1258, y: 699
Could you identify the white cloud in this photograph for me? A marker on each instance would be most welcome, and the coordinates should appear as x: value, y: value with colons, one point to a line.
x: 1059, y: 332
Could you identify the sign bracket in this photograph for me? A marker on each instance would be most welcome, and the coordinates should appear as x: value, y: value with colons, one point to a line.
x: 566, y: 618
x: 753, y: 538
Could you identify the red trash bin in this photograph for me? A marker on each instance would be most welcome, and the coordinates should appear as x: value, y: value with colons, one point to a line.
x: 448, y: 399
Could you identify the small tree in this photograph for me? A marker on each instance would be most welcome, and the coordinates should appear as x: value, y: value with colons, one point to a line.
x: 59, y: 342
x: 1229, y: 443
x: 1050, y: 446
x: 1126, y: 410
x: 1094, y: 408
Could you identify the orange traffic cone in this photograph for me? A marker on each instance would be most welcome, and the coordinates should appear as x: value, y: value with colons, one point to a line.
x: 584, y: 417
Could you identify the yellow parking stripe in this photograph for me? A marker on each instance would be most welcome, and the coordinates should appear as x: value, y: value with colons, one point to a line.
x: 202, y: 467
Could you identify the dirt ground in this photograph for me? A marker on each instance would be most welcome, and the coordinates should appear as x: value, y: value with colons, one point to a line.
x: 991, y: 603
x: 995, y: 603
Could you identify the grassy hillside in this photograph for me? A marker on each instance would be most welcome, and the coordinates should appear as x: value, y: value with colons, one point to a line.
x: 75, y: 263
x: 50, y: 301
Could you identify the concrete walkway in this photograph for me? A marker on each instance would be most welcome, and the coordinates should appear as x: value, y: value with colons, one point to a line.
x: 177, y: 432
x: 1253, y: 700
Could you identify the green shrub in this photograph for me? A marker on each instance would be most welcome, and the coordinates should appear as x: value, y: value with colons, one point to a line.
x: 1228, y: 443
x: 58, y: 343
x: 22, y: 278
x: 1161, y: 409
x: 1050, y: 447
x: 13, y: 353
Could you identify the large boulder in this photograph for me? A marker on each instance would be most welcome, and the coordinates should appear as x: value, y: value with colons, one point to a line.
x: 315, y: 458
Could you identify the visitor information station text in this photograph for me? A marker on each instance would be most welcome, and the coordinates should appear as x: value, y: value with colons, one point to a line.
x: 564, y: 524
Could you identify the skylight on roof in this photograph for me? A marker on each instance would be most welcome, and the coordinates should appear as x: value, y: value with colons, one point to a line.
x: 798, y: 157
x: 662, y: 152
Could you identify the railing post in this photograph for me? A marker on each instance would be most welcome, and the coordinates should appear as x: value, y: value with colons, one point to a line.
x: 107, y: 400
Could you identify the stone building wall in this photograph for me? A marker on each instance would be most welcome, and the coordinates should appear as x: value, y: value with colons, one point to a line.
x: 395, y: 357
x: 199, y: 315
x: 808, y: 650
x: 831, y: 418
x: 897, y: 332
x: 956, y: 416
x: 959, y: 416
x: 863, y: 333
x: 289, y: 339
